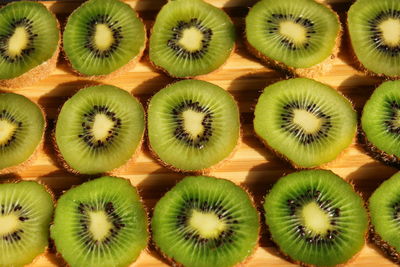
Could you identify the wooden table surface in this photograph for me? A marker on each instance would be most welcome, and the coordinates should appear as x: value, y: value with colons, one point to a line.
x: 253, y: 166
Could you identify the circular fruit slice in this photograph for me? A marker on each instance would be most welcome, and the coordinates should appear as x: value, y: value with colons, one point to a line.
x: 316, y: 218
x: 29, y: 37
x: 305, y: 121
x: 21, y: 130
x: 100, y: 223
x: 101, y: 36
x: 293, y: 33
x: 384, y: 207
x: 193, y: 125
x: 374, y: 28
x: 99, y: 129
x: 380, y: 122
x: 205, y: 221
x: 191, y: 38
x: 26, y: 209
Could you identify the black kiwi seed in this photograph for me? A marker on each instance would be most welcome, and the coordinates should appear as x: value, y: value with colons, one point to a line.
x: 15, y: 209
x: 296, y: 130
x: 114, y: 218
x: 91, y: 28
x: 27, y: 25
x: 87, y: 124
x: 273, y: 26
x: 177, y: 35
x: 4, y: 115
x: 393, y: 108
x: 377, y: 37
x: 294, y: 205
x: 180, y: 132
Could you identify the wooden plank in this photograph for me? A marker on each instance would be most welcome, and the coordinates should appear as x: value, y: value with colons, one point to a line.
x: 252, y: 166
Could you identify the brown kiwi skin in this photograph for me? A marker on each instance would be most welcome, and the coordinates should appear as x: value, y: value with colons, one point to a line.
x: 352, y: 259
x: 28, y: 162
x: 39, y: 72
x: 195, y: 172
x: 62, y: 163
x: 376, y: 153
x: 123, y: 69
x: 389, y: 251
x: 177, y: 264
x: 311, y: 72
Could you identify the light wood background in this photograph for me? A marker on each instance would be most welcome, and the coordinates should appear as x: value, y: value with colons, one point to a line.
x: 253, y: 166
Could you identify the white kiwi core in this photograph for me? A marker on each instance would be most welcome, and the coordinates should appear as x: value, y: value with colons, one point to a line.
x: 191, y: 39
x: 295, y: 32
x: 207, y: 224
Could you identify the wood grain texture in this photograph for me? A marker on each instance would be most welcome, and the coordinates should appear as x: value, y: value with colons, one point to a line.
x: 253, y: 166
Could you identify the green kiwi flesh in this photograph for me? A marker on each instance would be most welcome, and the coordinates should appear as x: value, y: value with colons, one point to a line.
x: 380, y: 122
x: 26, y: 209
x: 384, y: 208
x: 99, y: 129
x: 22, y: 126
x: 316, y: 218
x: 191, y: 38
x: 297, y: 33
x: 305, y: 121
x: 374, y: 28
x: 100, y: 223
x: 102, y: 36
x: 29, y: 36
x: 193, y: 125
x: 205, y: 222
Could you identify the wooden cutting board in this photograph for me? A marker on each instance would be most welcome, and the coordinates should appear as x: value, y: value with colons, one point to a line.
x: 253, y: 166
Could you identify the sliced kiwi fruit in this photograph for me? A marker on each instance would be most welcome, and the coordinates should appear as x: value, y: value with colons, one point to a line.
x: 293, y: 34
x: 191, y: 38
x: 29, y: 38
x: 304, y: 121
x: 99, y: 129
x: 26, y: 209
x: 205, y: 222
x: 100, y: 223
x: 374, y: 28
x: 316, y: 218
x: 103, y: 36
x: 193, y: 125
x: 21, y: 130
x: 384, y: 208
x: 380, y: 122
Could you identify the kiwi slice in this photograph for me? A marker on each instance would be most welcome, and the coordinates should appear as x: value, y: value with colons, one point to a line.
x: 374, y: 28
x: 26, y: 209
x: 384, y: 208
x: 191, y: 38
x: 102, y: 36
x: 100, y: 223
x: 205, y: 222
x: 193, y: 125
x: 293, y: 34
x: 29, y: 38
x: 380, y: 122
x: 306, y: 122
x: 99, y: 129
x: 316, y: 218
x: 21, y: 130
